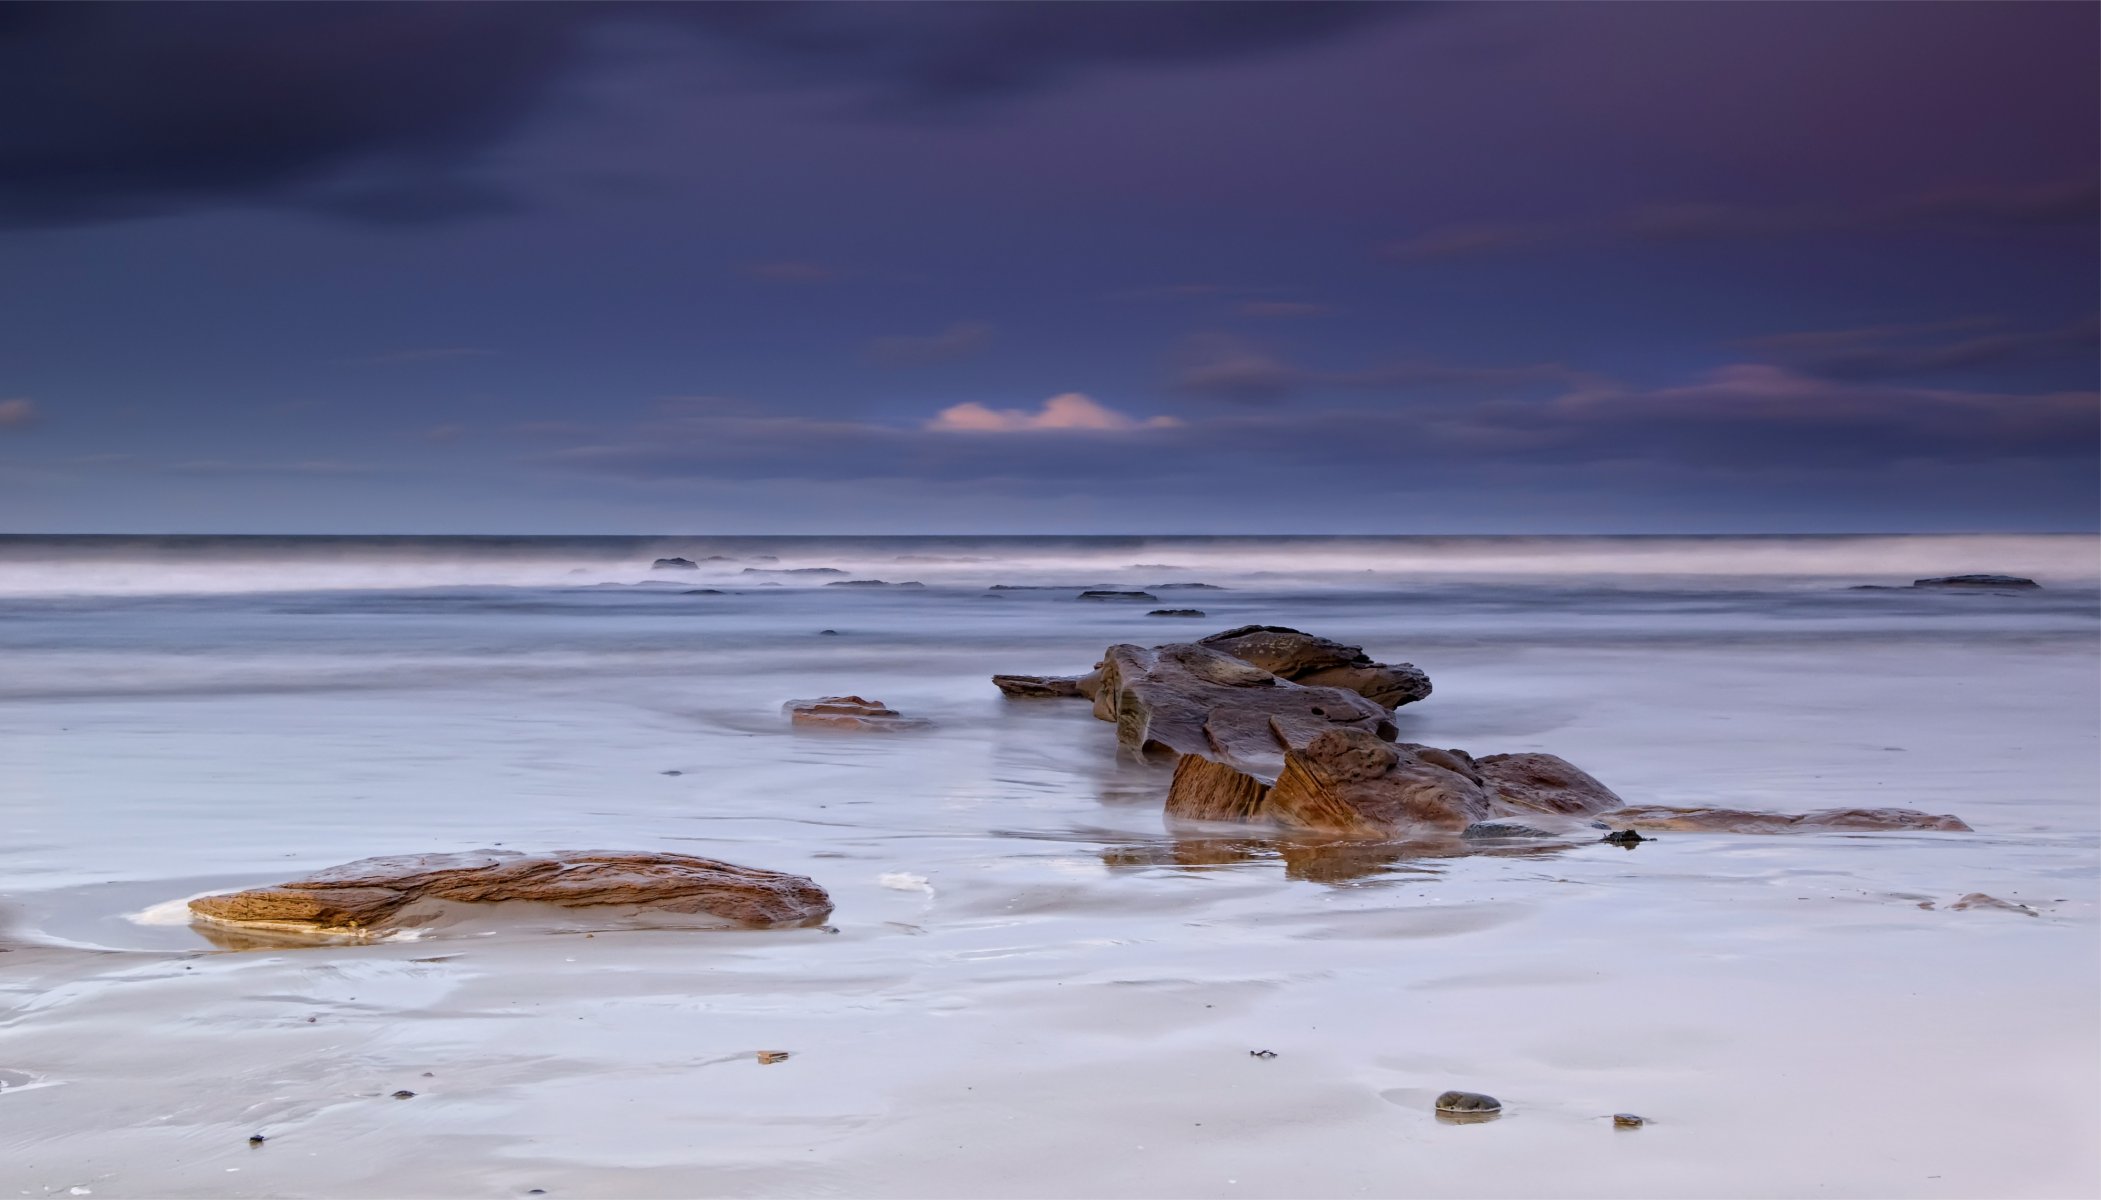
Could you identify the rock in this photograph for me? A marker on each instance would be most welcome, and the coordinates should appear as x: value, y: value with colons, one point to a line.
x: 375, y: 892
x: 404, y: 1094
x: 1481, y: 831
x: 873, y: 583
x: 674, y: 564
x: 1191, y: 699
x: 769, y: 1057
x: 1625, y: 837
x: 827, y: 633
x: 257, y: 1139
x: 1105, y: 594
x: 1320, y: 662
x: 1351, y: 782
x: 1980, y: 900
x: 1039, y: 686
x: 703, y: 592
x: 791, y: 571
x: 2001, y: 583
x: 1261, y: 1054
x: 1627, y: 1121
x: 1543, y: 783
x: 1176, y: 612
x: 1726, y: 820
x: 1184, y: 587
x: 1468, y: 1104
x: 849, y: 712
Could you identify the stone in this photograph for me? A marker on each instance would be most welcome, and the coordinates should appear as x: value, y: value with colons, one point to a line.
x: 1625, y: 837
x: 1486, y: 831
x: 1191, y: 699
x: 375, y: 892
x: 873, y: 583
x: 404, y: 1094
x: 791, y: 571
x: 1628, y: 1121
x: 674, y: 564
x: 1352, y: 782
x: 1176, y: 612
x: 1543, y: 783
x: 2003, y: 583
x: 1038, y: 687
x: 1320, y: 662
x: 1468, y: 1104
x: 1727, y: 820
x: 769, y: 1057
x: 1980, y: 900
x: 702, y: 592
x: 1106, y: 594
x: 849, y: 712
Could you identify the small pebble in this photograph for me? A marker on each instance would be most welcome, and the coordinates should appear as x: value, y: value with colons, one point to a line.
x: 1262, y: 1054
x: 404, y: 1094
x: 773, y: 1056
x: 256, y: 1139
x: 1627, y: 1121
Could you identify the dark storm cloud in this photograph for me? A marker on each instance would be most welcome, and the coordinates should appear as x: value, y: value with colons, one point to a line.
x: 375, y: 112
x: 2075, y: 205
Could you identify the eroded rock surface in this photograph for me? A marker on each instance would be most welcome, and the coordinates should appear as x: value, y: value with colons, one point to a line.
x: 1730, y: 820
x: 1191, y: 699
x: 1321, y: 662
x: 1039, y: 687
x: 373, y: 892
x: 849, y: 712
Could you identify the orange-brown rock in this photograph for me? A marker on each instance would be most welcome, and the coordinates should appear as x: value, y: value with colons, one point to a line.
x: 1542, y: 783
x: 372, y: 892
x: 1192, y: 699
x: 1320, y: 662
x: 849, y: 712
x: 1730, y: 820
x: 1038, y: 686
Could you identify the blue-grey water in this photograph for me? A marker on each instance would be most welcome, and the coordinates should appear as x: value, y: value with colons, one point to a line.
x: 1030, y: 965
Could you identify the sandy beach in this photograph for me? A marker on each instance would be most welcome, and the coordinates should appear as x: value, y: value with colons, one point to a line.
x: 1031, y: 984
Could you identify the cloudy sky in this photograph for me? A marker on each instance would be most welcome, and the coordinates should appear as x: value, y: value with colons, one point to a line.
x: 1063, y: 268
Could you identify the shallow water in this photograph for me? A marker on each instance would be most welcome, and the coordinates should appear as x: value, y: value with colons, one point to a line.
x: 1037, y: 987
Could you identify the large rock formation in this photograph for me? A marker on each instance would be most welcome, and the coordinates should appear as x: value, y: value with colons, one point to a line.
x: 1304, y: 658
x: 1286, y: 653
x: 376, y: 892
x: 1191, y: 699
x: 1349, y: 781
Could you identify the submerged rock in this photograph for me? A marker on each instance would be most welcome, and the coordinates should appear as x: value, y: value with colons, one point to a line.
x: 1106, y: 594
x: 674, y: 564
x: 1984, y: 582
x: 1176, y: 612
x: 374, y: 892
x: 702, y: 592
x: 1980, y: 900
x: 1729, y: 820
x: 1039, y: 687
x: 791, y: 571
x: 849, y: 712
x: 873, y: 583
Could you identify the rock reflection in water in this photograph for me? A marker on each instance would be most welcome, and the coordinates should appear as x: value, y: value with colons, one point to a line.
x: 1317, y: 860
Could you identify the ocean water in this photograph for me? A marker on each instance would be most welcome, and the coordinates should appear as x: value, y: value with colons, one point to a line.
x: 1038, y: 986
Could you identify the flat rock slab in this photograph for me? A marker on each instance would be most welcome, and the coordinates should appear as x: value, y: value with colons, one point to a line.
x: 849, y: 712
x: 2001, y: 583
x: 1039, y: 687
x: 371, y: 892
x: 1730, y: 820
x: 1321, y: 662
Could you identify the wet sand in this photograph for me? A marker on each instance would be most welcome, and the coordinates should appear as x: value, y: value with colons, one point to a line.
x: 1035, y: 987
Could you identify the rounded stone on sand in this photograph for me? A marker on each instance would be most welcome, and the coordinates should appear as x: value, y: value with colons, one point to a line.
x: 1468, y: 1104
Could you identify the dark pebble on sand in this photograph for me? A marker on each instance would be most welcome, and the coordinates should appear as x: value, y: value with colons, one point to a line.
x: 1625, y: 837
x: 404, y: 1094
x: 1468, y: 1104
x: 256, y: 1139
x: 1261, y: 1054
x: 1627, y: 1121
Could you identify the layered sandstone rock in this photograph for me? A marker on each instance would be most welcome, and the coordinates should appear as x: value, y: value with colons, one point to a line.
x: 1191, y: 699
x: 374, y: 892
x: 849, y: 712
x: 1038, y: 687
x: 1321, y: 662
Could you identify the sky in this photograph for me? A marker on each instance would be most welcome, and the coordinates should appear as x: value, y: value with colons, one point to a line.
x: 1066, y: 268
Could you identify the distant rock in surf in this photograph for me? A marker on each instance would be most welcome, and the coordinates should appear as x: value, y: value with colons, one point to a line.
x: 1108, y: 594
x: 375, y: 893
x: 703, y: 592
x: 1176, y: 612
x: 1184, y: 587
x: 850, y: 712
x: 873, y: 583
x: 674, y: 564
x: 2001, y: 583
x: 791, y: 571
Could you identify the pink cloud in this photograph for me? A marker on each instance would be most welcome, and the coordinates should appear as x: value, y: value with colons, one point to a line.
x: 16, y: 413
x: 1065, y: 413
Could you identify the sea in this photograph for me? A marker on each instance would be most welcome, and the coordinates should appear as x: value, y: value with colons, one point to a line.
x: 1033, y: 983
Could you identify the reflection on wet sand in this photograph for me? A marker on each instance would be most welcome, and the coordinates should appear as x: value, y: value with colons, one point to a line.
x: 1333, y: 860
